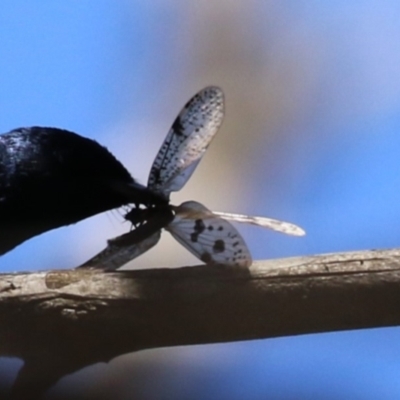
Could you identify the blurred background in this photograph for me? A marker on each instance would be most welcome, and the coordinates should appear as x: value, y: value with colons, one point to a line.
x: 311, y: 136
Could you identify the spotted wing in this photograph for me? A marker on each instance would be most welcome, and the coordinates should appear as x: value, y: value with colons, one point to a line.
x: 274, y: 224
x: 187, y: 141
x: 210, y: 238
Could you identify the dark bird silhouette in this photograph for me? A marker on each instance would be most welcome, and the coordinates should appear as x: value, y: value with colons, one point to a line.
x: 51, y: 177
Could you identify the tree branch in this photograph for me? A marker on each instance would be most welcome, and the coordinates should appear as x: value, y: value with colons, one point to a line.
x: 60, y: 321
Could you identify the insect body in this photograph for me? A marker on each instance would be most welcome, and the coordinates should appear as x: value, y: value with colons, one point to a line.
x: 208, y: 235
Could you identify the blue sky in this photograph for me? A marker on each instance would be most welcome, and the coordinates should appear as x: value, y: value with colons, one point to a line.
x: 326, y: 154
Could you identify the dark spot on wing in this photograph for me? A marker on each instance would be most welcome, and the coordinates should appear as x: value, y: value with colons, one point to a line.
x: 194, y: 99
x: 177, y: 127
x: 219, y: 246
x: 199, y: 226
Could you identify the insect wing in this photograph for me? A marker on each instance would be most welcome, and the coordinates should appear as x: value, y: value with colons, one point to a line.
x: 115, y: 256
x: 274, y: 224
x: 209, y: 237
x: 187, y: 141
x: 128, y: 246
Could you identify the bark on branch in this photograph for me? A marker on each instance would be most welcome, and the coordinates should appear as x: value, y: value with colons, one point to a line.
x: 61, y: 321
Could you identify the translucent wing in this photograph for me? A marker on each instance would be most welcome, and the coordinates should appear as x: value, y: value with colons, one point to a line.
x: 125, y: 248
x: 115, y: 255
x: 187, y: 141
x: 274, y: 224
x: 209, y: 237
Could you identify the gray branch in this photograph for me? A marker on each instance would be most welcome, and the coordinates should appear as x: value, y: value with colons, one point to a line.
x: 63, y: 320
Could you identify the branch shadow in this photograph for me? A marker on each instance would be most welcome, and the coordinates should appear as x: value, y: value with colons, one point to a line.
x: 54, y: 344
